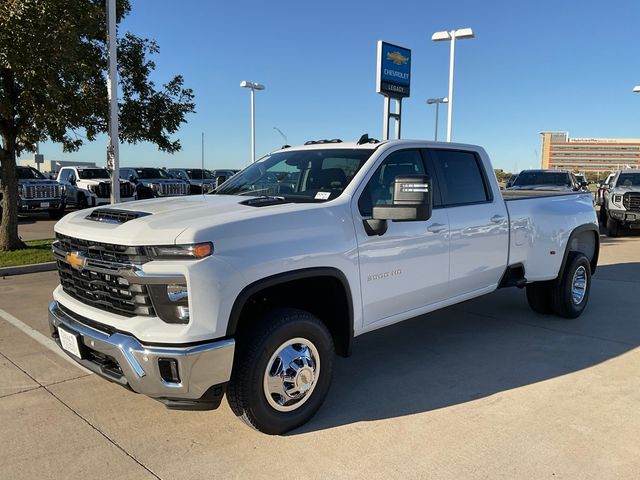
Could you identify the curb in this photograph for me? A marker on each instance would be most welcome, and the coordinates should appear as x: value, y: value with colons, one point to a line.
x: 23, y: 269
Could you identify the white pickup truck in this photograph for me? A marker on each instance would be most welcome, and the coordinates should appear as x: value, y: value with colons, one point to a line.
x: 253, y: 290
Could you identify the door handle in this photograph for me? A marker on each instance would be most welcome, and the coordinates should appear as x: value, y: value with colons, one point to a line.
x: 436, y: 228
x: 497, y: 218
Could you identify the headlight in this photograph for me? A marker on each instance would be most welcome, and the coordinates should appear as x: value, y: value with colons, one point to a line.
x: 617, y: 199
x: 181, y: 252
x: 154, y: 186
x: 92, y: 188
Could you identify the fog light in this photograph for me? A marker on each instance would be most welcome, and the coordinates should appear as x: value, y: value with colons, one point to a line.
x: 183, y: 313
x: 169, y: 370
x: 171, y: 302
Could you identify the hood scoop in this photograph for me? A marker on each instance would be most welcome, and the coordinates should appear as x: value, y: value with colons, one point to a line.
x: 114, y: 216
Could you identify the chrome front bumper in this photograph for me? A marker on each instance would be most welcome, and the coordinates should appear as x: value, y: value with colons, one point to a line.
x: 203, y: 369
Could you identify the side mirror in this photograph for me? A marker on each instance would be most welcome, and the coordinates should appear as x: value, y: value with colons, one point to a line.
x: 584, y: 184
x: 72, y: 181
x: 132, y: 179
x: 220, y: 179
x: 412, y: 201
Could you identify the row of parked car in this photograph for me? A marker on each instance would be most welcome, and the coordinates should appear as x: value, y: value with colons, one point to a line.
x: 83, y: 187
x: 618, y: 196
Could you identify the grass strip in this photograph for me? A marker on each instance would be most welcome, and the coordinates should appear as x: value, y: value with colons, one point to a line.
x: 37, y: 251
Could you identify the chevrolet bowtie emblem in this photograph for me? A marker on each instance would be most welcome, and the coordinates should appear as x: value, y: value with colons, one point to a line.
x: 77, y: 260
x: 397, y: 58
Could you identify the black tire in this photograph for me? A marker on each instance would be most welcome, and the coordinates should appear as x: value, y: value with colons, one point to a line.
x: 613, y: 228
x: 539, y: 297
x: 82, y: 202
x: 603, y: 215
x: 563, y: 302
x: 56, y: 213
x: 246, y: 392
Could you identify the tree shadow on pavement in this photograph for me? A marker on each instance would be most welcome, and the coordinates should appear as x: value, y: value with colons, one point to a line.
x: 479, y: 348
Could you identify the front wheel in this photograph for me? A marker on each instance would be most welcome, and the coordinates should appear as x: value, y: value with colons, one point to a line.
x: 82, y: 202
x: 282, y: 371
x: 603, y: 214
x: 613, y: 228
x: 570, y: 295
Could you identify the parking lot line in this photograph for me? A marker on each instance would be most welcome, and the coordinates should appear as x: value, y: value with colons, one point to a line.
x: 38, y: 337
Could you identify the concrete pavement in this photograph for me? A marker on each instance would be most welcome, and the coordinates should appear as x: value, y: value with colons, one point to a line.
x: 485, y: 389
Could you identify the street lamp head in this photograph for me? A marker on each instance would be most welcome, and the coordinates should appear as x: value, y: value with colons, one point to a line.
x: 251, y: 85
x: 460, y: 33
x: 431, y: 101
x: 464, y: 33
x: 636, y: 89
x: 440, y: 36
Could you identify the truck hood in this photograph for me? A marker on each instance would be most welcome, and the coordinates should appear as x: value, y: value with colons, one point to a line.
x: 622, y: 189
x: 160, y: 221
x: 96, y: 181
x: 38, y: 182
x: 551, y: 188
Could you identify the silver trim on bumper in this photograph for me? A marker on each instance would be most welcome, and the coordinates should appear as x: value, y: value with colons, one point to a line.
x: 200, y: 367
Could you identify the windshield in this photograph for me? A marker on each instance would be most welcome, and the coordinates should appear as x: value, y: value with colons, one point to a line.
x: 628, y: 180
x: 29, y: 173
x: 542, y: 178
x: 196, y: 174
x: 308, y: 175
x: 151, y: 173
x: 93, y: 173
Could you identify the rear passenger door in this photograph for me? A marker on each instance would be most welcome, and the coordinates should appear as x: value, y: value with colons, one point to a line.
x: 478, y: 222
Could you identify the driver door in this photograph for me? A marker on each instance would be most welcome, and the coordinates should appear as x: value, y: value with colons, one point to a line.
x: 407, y: 267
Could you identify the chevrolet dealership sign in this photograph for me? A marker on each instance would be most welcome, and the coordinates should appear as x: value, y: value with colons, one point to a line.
x: 394, y: 70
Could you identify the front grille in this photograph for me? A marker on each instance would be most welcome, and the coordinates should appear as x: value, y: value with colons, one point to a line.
x: 126, y: 190
x: 110, y: 215
x: 108, y: 292
x: 98, y: 283
x: 103, y: 190
x: 42, y: 191
x: 631, y: 201
x: 173, y: 189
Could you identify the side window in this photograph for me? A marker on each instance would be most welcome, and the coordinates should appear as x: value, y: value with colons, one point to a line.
x: 64, y: 175
x: 379, y: 190
x: 461, y: 176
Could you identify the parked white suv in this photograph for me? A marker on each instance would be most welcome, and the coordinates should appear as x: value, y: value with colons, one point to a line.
x: 91, y: 186
x: 253, y: 290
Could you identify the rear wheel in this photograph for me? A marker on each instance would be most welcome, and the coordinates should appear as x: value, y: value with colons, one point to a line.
x: 613, y: 228
x: 570, y: 295
x: 282, y: 371
x: 539, y: 297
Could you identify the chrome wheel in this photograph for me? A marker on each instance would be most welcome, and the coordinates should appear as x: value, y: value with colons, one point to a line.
x: 579, y: 285
x: 291, y: 374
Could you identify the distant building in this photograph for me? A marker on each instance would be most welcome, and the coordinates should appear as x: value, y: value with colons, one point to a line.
x: 53, y: 166
x: 559, y: 151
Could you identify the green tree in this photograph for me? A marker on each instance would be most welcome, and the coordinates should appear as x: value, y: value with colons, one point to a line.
x: 53, y: 74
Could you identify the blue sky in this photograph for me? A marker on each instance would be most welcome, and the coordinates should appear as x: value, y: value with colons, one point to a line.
x: 533, y: 66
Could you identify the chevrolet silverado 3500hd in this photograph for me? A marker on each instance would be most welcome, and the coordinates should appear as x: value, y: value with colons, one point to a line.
x: 253, y: 290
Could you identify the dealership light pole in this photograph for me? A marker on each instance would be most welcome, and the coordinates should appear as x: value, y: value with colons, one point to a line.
x: 451, y: 36
x: 252, y: 86
x: 113, y: 154
x: 437, y: 101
